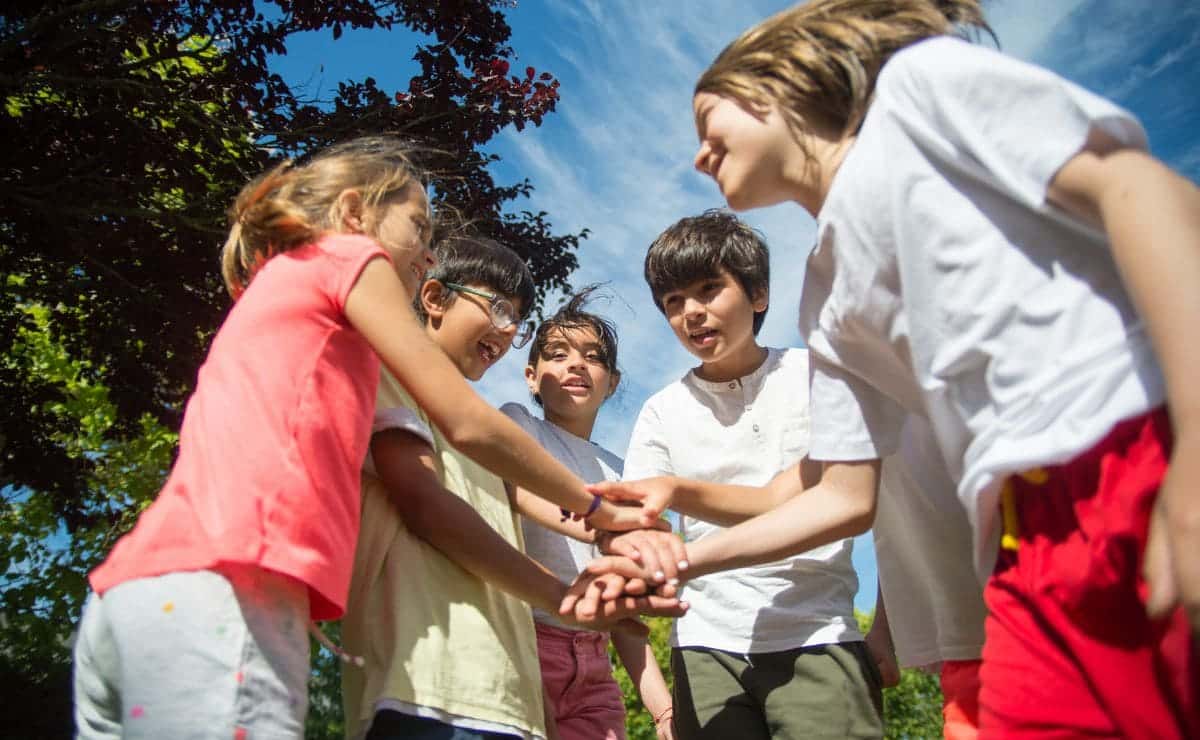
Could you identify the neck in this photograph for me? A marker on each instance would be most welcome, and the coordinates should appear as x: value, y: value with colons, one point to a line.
x: 581, y: 427
x: 738, y: 365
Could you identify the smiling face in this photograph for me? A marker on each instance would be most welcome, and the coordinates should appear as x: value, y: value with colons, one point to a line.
x: 713, y: 319
x: 460, y: 323
x: 402, y: 226
x: 571, y: 377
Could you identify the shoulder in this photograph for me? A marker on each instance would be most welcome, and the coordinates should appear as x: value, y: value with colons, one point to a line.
x: 939, y: 57
x: 792, y: 360
x: 348, y: 246
x: 517, y: 412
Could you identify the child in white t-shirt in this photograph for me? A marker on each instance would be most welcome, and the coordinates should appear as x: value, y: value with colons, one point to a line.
x: 996, y: 251
x: 772, y: 650
x: 572, y: 371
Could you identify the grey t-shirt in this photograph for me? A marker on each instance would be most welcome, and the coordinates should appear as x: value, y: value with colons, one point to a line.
x: 565, y: 557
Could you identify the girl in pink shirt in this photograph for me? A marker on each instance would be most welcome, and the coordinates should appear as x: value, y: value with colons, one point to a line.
x: 196, y: 623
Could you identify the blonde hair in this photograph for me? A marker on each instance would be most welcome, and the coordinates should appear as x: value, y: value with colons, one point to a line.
x: 292, y: 204
x: 818, y: 62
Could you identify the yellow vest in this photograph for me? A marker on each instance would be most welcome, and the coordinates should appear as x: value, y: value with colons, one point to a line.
x: 431, y: 633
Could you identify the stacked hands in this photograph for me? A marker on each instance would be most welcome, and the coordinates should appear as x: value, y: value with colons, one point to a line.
x: 642, y: 566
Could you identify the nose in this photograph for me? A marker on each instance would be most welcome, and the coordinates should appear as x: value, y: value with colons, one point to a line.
x: 429, y: 257
x: 692, y: 308
x: 700, y: 162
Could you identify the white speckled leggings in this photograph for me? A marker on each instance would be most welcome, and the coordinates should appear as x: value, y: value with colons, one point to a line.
x: 198, y: 654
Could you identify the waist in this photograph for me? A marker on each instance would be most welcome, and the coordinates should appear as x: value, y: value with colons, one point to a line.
x: 586, y: 640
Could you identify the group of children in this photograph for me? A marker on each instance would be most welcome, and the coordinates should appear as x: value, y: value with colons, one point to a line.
x: 995, y: 314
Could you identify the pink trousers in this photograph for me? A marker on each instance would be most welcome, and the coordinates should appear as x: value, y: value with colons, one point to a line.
x: 579, y: 682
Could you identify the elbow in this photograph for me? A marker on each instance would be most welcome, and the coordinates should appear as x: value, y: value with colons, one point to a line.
x: 860, y: 516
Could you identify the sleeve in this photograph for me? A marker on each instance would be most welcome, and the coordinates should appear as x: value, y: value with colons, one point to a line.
x: 985, y: 111
x: 850, y: 419
x: 521, y: 416
x: 349, y: 255
x: 648, y: 454
x: 396, y: 417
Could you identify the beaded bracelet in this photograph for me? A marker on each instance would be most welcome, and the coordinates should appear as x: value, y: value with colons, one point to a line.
x: 568, y: 514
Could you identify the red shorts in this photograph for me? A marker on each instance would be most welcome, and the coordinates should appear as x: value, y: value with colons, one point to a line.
x: 960, y: 699
x: 579, y: 682
x: 1069, y: 650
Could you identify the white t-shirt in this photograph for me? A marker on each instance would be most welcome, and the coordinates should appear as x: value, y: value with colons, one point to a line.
x: 923, y: 551
x: 944, y: 284
x: 564, y: 556
x: 745, y: 432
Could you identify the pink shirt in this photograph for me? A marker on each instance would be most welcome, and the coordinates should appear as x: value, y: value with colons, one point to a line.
x: 273, y: 437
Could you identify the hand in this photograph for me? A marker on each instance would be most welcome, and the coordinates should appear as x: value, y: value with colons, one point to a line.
x: 1172, y: 568
x: 661, y: 554
x: 883, y: 652
x: 601, y: 601
x: 654, y: 494
x: 624, y: 517
x: 664, y: 725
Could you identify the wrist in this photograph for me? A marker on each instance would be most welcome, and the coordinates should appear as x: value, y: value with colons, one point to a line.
x: 595, y: 504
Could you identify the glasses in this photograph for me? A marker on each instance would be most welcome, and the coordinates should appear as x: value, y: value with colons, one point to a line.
x: 502, y: 313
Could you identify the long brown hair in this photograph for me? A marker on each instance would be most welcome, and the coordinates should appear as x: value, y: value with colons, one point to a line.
x: 818, y: 62
x: 292, y: 204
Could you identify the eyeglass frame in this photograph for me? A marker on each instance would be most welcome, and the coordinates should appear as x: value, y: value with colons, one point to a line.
x: 525, y: 328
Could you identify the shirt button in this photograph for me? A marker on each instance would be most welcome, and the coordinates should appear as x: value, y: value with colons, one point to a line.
x: 755, y: 427
x: 732, y: 386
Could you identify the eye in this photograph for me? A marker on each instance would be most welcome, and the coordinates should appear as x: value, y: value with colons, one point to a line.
x: 558, y: 356
x: 594, y: 357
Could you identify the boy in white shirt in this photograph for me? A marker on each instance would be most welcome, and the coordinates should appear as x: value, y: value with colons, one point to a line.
x: 772, y: 650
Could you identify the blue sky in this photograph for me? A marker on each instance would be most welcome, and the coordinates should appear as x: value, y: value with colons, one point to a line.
x: 616, y: 156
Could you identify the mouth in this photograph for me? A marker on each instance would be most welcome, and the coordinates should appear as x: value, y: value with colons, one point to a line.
x: 489, y: 351
x: 577, y: 385
x: 702, y: 337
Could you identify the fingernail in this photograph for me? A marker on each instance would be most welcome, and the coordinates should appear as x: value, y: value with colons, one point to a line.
x: 683, y: 565
x: 672, y: 581
x: 659, y: 575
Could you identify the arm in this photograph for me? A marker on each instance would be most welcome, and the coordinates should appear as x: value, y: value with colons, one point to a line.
x: 449, y: 524
x: 880, y: 646
x: 841, y: 505
x: 537, y: 509
x: 638, y: 658
x: 1152, y: 218
x: 378, y: 308
x: 725, y: 504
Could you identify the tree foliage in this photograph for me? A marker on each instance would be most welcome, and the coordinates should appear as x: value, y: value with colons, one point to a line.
x: 131, y: 127
x: 133, y: 124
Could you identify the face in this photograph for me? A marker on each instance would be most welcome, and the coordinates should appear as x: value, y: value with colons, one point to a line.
x: 714, y: 318
x: 570, y: 376
x: 754, y: 160
x: 402, y: 226
x: 461, y: 324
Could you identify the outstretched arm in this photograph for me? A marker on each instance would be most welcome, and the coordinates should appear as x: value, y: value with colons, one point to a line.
x: 725, y: 504
x: 841, y: 505
x: 1152, y: 218
x: 405, y: 464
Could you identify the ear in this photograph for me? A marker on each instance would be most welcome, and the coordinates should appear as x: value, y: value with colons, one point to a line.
x: 614, y: 380
x: 350, y: 211
x: 761, y: 300
x: 433, y: 298
x: 531, y: 379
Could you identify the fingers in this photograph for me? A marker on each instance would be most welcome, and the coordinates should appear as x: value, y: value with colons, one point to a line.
x: 1157, y: 567
x: 616, y: 564
x: 616, y: 491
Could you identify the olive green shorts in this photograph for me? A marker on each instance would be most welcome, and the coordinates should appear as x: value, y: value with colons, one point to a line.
x: 822, y: 691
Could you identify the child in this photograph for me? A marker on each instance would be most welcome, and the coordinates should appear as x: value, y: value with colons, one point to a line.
x: 198, y: 615
x: 446, y: 650
x: 991, y: 239
x: 772, y: 651
x: 572, y: 370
